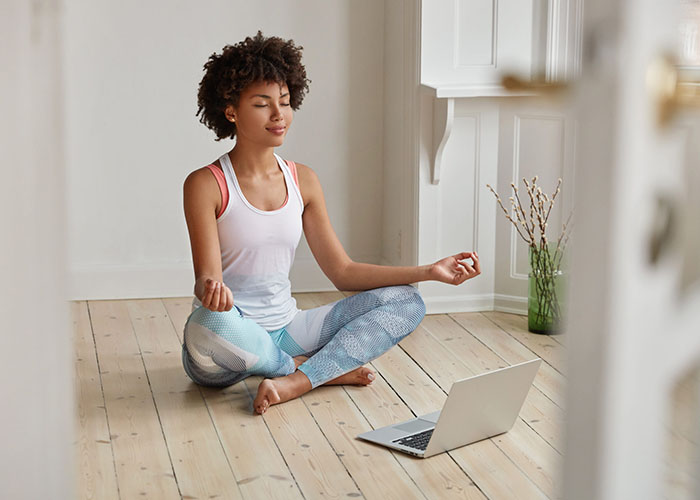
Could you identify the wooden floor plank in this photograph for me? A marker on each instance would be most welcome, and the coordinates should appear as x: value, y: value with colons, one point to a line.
x: 424, y: 396
x: 438, y: 476
x: 548, y: 380
x: 179, y: 309
x: 376, y: 472
x: 140, y: 452
x: 317, y: 469
x: 93, y: 448
x: 200, y: 464
x: 550, y: 351
x: 518, y: 464
x: 532, y: 446
x: 254, y: 456
x: 522, y: 322
x: 261, y: 473
x: 527, y: 449
x: 546, y: 418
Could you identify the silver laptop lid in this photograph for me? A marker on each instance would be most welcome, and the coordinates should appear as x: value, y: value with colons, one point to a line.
x: 482, y: 406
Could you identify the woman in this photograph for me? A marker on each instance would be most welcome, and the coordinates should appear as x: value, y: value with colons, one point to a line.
x: 245, y: 213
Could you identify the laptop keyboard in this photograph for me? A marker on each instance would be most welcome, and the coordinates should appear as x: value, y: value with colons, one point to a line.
x: 418, y: 441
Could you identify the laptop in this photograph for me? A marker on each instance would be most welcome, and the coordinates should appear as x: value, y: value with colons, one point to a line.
x: 477, y: 408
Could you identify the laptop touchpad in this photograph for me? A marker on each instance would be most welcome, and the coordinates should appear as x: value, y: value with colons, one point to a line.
x: 415, y: 426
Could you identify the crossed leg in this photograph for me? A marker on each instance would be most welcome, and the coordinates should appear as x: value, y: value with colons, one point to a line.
x: 357, y: 330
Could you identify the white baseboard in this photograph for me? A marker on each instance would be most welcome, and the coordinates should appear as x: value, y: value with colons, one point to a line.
x: 510, y: 303
x: 463, y: 303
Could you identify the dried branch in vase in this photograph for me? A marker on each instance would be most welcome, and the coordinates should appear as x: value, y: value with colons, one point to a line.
x: 544, y: 309
x: 532, y: 226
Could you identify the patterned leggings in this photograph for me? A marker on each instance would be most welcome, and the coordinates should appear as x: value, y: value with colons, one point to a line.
x: 222, y: 348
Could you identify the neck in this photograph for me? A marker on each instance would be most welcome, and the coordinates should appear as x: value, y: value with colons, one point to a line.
x: 253, y: 161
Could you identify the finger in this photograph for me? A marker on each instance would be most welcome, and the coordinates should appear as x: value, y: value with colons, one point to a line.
x: 208, y: 293
x: 215, y: 298
x: 228, y: 299
x: 477, y: 266
x: 463, y: 274
x: 463, y: 255
x: 222, y: 298
x: 229, y: 302
x: 470, y: 260
x: 469, y: 269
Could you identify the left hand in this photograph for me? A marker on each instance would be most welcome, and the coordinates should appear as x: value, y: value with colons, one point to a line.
x: 456, y: 269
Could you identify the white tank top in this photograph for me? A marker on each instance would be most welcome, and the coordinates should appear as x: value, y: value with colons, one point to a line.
x: 257, y: 251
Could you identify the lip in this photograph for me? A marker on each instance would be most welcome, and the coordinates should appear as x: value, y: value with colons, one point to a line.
x: 276, y: 130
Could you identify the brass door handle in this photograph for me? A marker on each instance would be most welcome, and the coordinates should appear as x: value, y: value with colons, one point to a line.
x: 538, y: 85
x: 669, y: 90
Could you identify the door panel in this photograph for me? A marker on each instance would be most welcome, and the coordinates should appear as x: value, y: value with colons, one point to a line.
x: 635, y: 307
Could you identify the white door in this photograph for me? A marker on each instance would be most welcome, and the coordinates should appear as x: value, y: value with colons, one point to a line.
x: 634, y: 325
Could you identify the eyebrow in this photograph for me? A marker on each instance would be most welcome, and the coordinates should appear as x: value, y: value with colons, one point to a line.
x: 267, y: 96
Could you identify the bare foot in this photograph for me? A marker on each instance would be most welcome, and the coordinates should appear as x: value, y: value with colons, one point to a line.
x: 272, y: 391
x: 359, y: 376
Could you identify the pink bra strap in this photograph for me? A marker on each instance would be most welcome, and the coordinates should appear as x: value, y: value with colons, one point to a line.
x: 221, y: 180
x: 293, y: 167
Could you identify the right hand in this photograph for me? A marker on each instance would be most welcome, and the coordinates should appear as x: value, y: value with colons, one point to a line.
x: 217, y: 296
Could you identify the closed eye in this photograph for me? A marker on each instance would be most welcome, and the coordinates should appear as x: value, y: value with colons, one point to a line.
x: 265, y: 105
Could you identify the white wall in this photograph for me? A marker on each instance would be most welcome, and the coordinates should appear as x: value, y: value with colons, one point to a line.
x: 131, y: 75
x: 36, y: 421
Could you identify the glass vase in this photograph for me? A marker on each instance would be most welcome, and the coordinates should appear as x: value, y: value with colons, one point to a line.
x: 546, y: 291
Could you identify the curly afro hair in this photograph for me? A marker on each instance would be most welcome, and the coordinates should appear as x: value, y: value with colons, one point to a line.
x: 268, y: 59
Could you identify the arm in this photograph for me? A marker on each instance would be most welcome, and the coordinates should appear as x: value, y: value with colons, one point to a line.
x: 452, y: 270
x: 200, y: 198
x: 361, y: 276
x: 346, y: 274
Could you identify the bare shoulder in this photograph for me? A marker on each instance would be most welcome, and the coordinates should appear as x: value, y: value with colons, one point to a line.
x: 201, y: 189
x: 309, y: 184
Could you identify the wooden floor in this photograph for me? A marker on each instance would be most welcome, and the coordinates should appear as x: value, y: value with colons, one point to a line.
x: 146, y: 431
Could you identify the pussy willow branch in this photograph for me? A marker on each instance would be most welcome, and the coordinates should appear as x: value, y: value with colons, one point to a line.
x: 554, y: 197
x: 540, y: 210
x: 532, y: 202
x: 521, y: 221
x: 498, y: 199
x: 531, y: 232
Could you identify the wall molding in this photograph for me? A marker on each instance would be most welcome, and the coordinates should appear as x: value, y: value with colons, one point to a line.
x: 477, y: 177
x: 564, y: 39
x: 518, y: 117
x: 458, y: 33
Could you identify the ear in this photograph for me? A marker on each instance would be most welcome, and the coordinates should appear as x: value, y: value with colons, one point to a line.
x: 230, y: 113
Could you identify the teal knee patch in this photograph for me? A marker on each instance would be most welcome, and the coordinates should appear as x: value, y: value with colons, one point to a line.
x: 285, y: 342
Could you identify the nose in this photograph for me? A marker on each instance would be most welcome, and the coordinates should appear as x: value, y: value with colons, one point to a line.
x: 277, y: 112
